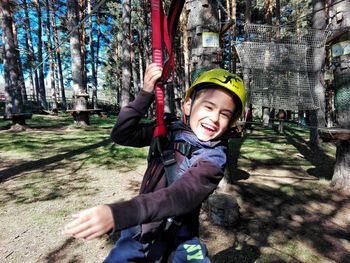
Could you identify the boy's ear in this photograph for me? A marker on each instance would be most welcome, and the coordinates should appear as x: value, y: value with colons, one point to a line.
x: 187, y: 107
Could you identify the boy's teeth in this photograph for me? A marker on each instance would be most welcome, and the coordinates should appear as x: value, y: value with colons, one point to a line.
x: 208, y: 127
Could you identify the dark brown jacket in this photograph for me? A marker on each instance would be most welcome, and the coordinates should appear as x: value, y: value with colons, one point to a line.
x: 156, y: 201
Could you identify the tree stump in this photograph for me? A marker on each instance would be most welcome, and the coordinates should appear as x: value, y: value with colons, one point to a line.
x: 222, y: 209
x: 341, y: 175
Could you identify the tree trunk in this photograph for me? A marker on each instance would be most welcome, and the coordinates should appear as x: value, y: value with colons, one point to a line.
x: 41, y: 92
x: 118, y: 76
x: 19, y: 64
x: 341, y: 175
x: 51, y: 59
x: 185, y: 49
x: 234, y: 34
x: 13, y: 98
x: 32, y: 57
x: 126, y: 57
x: 268, y: 12
x: 30, y: 53
x: 246, y: 71
x: 58, y: 56
x: 82, y: 33
x: 134, y: 69
x: 99, y: 35
x: 341, y: 21
x: 229, y: 57
x: 141, y: 59
x: 203, y: 19
x: 80, y: 94
x: 248, y: 12
x: 278, y: 13
x: 317, y: 117
x: 92, y: 57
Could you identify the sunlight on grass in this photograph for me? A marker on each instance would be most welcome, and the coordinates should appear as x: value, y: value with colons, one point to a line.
x: 42, y: 121
x: 265, y: 147
x: 287, y: 250
x: 300, y: 250
x: 92, y: 145
x: 288, y: 190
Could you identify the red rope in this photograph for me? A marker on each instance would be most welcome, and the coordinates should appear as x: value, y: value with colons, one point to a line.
x: 157, y: 55
x: 160, y: 36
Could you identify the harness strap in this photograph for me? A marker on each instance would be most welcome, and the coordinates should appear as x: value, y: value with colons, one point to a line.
x: 185, y: 148
x: 169, y: 161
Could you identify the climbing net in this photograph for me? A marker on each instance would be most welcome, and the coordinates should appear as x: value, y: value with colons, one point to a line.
x: 281, y: 65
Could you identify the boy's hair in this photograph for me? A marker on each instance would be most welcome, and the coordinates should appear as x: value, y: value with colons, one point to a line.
x: 220, y: 78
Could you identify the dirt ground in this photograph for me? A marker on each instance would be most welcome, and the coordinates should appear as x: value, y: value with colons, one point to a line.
x: 278, y: 223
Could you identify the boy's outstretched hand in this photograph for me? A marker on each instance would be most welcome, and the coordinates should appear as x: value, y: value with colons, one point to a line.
x: 152, y: 74
x: 90, y: 223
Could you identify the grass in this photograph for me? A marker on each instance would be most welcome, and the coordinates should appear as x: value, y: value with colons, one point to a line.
x: 291, y: 149
x: 92, y: 142
x: 40, y: 153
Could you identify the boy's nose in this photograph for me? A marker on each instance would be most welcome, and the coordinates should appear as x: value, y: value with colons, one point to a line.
x: 215, y: 116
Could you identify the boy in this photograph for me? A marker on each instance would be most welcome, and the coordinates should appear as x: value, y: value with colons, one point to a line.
x: 212, y: 104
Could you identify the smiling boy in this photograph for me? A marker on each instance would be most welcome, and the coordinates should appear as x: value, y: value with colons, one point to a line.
x: 162, y: 222
x: 211, y: 113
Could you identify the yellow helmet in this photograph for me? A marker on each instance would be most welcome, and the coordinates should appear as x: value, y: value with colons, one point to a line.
x: 222, y: 78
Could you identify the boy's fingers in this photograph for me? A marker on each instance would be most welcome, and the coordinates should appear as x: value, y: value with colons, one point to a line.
x: 90, y: 233
x: 76, y: 226
x: 85, y: 233
x: 74, y: 223
x: 95, y: 235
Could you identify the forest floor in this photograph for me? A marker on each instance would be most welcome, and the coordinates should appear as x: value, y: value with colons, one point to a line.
x: 288, y: 211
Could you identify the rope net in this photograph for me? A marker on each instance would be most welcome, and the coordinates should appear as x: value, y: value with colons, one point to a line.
x: 282, y: 65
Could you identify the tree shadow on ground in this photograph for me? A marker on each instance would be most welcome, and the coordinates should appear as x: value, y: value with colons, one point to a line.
x: 60, y: 254
x: 42, y: 163
x: 276, y: 219
x: 246, y: 254
x: 324, y: 164
x: 287, y: 222
x: 5, y: 127
x: 233, y: 152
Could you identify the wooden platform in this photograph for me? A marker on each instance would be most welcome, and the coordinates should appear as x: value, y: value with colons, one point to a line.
x: 329, y: 134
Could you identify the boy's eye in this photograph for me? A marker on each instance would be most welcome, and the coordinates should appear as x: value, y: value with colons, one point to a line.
x: 208, y: 107
x: 226, y: 115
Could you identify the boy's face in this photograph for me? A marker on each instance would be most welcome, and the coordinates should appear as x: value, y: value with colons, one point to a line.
x: 211, y: 113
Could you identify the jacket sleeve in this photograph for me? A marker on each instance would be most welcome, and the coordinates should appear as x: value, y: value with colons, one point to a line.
x: 181, y: 197
x: 128, y: 130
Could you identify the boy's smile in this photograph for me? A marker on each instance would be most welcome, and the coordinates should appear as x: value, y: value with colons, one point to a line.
x: 211, y: 113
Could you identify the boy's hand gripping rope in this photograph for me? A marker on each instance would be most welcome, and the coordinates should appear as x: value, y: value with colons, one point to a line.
x: 162, y: 33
